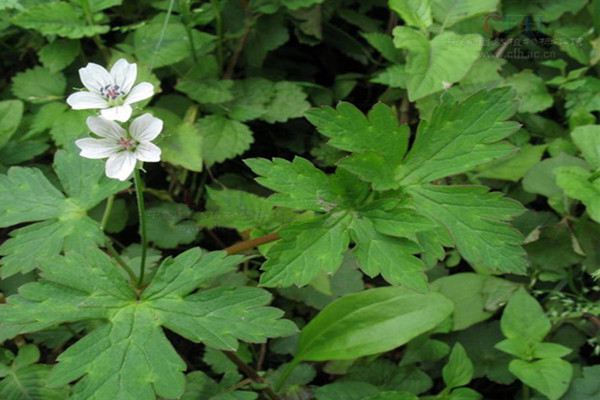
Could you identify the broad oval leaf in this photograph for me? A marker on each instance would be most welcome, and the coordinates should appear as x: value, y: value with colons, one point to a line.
x: 370, y: 322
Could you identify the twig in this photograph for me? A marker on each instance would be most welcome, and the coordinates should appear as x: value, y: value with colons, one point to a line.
x: 261, y: 356
x: 240, y: 247
x: 251, y: 373
x: 500, y: 51
x: 238, y: 50
x: 404, y: 111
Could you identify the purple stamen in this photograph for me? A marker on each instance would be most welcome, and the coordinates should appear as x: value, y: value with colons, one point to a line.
x: 111, y: 91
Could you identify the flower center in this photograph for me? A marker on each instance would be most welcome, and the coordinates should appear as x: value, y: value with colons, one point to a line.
x: 126, y: 143
x: 113, y: 94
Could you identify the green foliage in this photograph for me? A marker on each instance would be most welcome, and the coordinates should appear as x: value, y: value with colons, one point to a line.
x: 431, y: 66
x: 58, y: 18
x: 39, y: 85
x: 539, y: 365
x: 348, y: 328
x: 131, y: 331
x: 415, y: 182
x: 169, y: 225
x: 22, y: 378
x: 60, y: 222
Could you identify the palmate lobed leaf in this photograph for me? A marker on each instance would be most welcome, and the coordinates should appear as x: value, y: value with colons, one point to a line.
x: 25, y: 379
x: 58, y: 18
x: 477, y: 222
x: 460, y: 136
x: 28, y: 196
x: 129, y: 356
x: 377, y: 141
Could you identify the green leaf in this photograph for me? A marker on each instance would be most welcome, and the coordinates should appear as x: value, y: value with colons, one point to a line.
x: 58, y: 18
x: 258, y: 98
x: 11, y: 112
x: 531, y: 92
x: 169, y: 225
x: 289, y: 101
x: 26, y: 380
x: 587, y: 386
x: 479, y: 341
x: 433, y: 65
x: 460, y: 136
x: 391, y: 257
x: 415, y: 13
x: 174, y: 42
x: 587, y: 139
x: 223, y: 138
x: 459, y: 369
x: 477, y: 222
x: 128, y: 356
x: 347, y: 390
x: 296, y: 4
x: 204, y: 86
x: 370, y: 322
x: 28, y: 196
x: 475, y: 297
x: 69, y: 126
x: 524, y: 318
x: 183, y: 147
x: 550, y: 376
x: 306, y: 250
x: 311, y: 188
x: 541, y: 178
x: 377, y: 140
x: 515, y: 166
x: 59, y: 54
x: 579, y: 184
x: 238, y: 210
x: 269, y: 33
x: 550, y: 350
x: 450, y: 12
x: 385, y: 45
x: 39, y: 85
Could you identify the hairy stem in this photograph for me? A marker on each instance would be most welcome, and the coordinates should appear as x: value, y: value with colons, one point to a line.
x: 139, y: 191
x: 107, y: 210
x: 251, y: 373
x: 113, y: 252
x: 87, y: 11
x: 251, y: 243
x: 184, y: 9
x: 240, y: 47
x: 219, y: 28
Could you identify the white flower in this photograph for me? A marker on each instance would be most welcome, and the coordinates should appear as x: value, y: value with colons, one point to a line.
x: 122, y: 148
x: 112, y: 92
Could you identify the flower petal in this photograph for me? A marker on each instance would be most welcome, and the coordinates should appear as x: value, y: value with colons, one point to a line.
x: 86, y: 100
x: 145, y: 128
x: 120, y: 113
x: 124, y: 74
x: 105, y: 128
x: 97, y: 148
x: 140, y: 92
x: 120, y: 166
x: 94, y: 77
x: 147, y: 151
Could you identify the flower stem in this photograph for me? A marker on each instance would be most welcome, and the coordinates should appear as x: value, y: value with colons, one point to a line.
x: 219, y: 28
x: 87, y: 11
x: 107, y: 210
x: 113, y: 252
x: 139, y: 191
